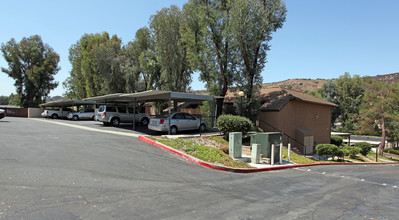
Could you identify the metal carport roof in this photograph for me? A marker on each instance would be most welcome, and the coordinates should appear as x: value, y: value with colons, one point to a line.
x: 152, y: 96
x: 66, y: 103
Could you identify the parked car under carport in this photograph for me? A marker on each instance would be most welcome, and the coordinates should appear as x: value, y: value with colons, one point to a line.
x: 180, y: 121
x: 2, y: 113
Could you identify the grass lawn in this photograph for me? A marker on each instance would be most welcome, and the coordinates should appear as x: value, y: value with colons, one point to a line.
x: 202, y: 152
x: 217, y: 153
x: 371, y: 156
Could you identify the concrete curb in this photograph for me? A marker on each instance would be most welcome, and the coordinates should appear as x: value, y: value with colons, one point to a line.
x: 242, y: 170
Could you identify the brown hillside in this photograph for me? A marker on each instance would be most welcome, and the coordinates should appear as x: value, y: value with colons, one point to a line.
x: 297, y: 84
x: 302, y: 85
x: 388, y: 78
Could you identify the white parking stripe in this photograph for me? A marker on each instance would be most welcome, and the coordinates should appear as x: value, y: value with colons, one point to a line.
x: 345, y: 177
x: 88, y: 129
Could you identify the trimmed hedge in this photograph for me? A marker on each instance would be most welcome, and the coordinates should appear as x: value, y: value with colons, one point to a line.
x: 232, y: 123
x: 327, y: 149
x: 353, y: 151
x: 391, y: 151
x: 364, y: 146
x: 337, y: 140
x: 335, y: 151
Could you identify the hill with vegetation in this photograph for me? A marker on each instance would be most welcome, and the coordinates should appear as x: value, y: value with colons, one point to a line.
x: 312, y: 84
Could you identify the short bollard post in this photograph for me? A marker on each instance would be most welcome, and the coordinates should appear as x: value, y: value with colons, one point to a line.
x: 272, y: 156
x: 281, y: 153
x: 255, y: 154
x: 289, y: 152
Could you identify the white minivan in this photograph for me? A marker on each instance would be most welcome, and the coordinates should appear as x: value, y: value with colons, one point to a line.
x: 114, y: 115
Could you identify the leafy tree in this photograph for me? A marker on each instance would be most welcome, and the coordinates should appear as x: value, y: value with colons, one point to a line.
x: 96, y: 62
x: 252, y: 23
x: 107, y: 62
x: 15, y: 100
x: 171, y: 51
x: 33, y: 65
x: 207, y: 34
x: 392, y: 127
x: 350, y: 92
x: 141, y: 69
x: 228, y: 43
x: 381, y: 101
x: 329, y: 92
x: 4, y: 100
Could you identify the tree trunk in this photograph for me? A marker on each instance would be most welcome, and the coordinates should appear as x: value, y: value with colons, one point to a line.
x: 383, y: 137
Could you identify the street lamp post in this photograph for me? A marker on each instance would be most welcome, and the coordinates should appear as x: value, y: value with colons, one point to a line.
x: 241, y: 94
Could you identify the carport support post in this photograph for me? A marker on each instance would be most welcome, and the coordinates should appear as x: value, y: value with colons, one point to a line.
x: 289, y: 152
x: 62, y: 111
x: 281, y: 153
x: 213, y: 113
x: 134, y: 114
x: 272, y: 156
x: 169, y: 103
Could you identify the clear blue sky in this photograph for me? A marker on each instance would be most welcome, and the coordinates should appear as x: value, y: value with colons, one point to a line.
x: 320, y: 39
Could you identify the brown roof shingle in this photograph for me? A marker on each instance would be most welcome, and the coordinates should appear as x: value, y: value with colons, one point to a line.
x: 274, y: 98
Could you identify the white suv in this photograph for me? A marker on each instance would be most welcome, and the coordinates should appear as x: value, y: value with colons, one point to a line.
x: 114, y: 115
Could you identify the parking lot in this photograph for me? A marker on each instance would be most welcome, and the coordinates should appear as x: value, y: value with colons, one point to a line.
x: 123, y: 128
x: 55, y: 171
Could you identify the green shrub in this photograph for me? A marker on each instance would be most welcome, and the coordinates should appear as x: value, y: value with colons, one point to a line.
x: 344, y: 152
x: 327, y: 149
x: 256, y: 129
x: 364, y: 146
x: 391, y: 151
x: 353, y: 151
x: 337, y: 140
x: 331, y: 149
x: 232, y: 123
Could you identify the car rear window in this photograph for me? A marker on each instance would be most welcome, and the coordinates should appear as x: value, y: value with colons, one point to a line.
x: 111, y: 109
x: 178, y: 116
x: 101, y: 109
x: 187, y: 116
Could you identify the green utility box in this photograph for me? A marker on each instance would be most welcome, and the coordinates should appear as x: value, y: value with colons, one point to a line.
x: 266, y: 140
x: 235, y: 144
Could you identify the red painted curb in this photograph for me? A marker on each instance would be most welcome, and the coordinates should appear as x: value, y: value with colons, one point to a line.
x: 242, y: 170
x: 392, y: 155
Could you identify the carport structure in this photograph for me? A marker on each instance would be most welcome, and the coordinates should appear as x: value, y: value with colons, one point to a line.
x: 154, y: 96
x: 66, y: 103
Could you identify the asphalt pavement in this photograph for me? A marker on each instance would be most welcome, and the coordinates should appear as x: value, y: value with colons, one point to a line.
x: 53, y: 171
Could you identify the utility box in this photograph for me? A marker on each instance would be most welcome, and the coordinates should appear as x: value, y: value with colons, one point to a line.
x: 255, y: 154
x: 266, y: 140
x: 235, y: 144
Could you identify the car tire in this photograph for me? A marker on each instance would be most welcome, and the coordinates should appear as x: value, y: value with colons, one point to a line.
x: 54, y: 116
x: 75, y: 118
x: 106, y: 123
x: 115, y: 122
x: 144, y: 121
x: 93, y: 118
x: 202, y: 128
x: 173, y: 130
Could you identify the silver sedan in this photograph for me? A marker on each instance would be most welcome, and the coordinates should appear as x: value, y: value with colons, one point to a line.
x: 82, y: 114
x: 180, y: 121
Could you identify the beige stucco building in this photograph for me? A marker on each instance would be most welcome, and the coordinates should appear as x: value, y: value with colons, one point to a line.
x: 304, y: 119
